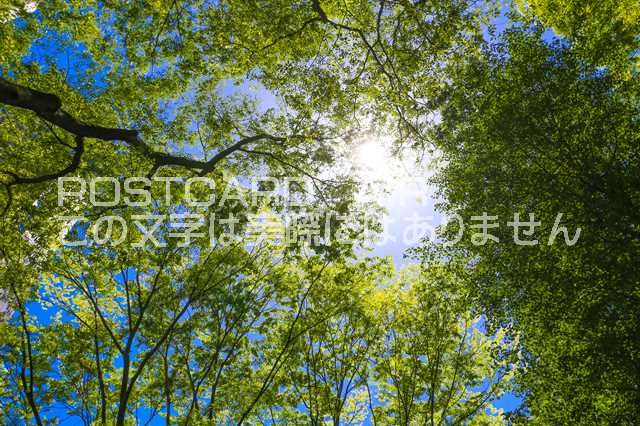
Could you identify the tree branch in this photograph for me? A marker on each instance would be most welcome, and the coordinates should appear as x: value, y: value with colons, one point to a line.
x: 75, y: 163
x: 49, y: 107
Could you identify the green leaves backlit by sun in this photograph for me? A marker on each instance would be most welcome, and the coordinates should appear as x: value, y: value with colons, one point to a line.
x: 529, y: 109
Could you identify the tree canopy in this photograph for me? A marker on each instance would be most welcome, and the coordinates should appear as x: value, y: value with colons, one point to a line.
x: 115, y: 114
x: 530, y: 128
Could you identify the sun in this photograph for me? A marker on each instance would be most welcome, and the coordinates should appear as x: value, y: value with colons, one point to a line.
x: 373, y: 160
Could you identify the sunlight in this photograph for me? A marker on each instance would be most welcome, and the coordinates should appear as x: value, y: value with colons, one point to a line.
x: 374, y: 161
x: 393, y: 181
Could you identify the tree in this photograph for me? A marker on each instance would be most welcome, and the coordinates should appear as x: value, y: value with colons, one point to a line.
x: 529, y: 127
x: 206, y: 333
x: 328, y: 376
x: 213, y: 341
x: 147, y: 76
x: 407, y: 352
x: 434, y: 365
x: 603, y: 31
x: 92, y: 89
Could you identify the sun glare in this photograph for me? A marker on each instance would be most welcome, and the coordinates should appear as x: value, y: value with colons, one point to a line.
x: 373, y: 160
x: 390, y: 177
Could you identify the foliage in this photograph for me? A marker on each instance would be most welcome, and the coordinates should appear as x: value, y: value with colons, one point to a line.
x: 220, y: 331
x: 435, y: 365
x: 245, y: 332
x: 606, y: 32
x: 234, y: 337
x: 529, y: 127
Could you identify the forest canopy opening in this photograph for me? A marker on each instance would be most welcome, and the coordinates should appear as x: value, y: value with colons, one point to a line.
x: 376, y: 212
